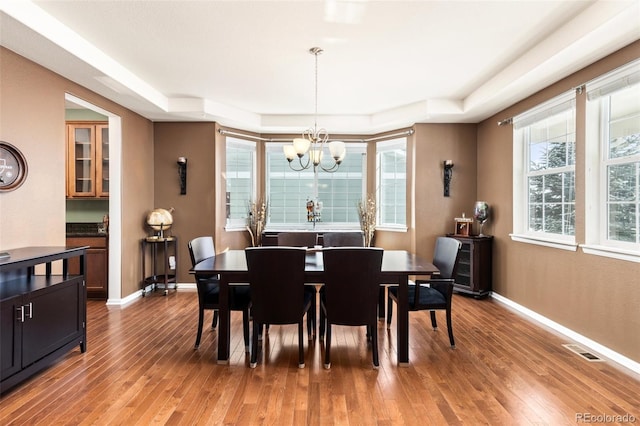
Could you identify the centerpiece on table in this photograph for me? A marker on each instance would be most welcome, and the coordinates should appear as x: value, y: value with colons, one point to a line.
x: 256, y: 221
x: 367, y: 214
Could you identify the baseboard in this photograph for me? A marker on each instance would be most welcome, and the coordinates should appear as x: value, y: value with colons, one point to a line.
x: 595, y: 346
x: 138, y: 294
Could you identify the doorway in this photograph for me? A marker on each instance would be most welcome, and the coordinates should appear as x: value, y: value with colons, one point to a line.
x: 106, y: 208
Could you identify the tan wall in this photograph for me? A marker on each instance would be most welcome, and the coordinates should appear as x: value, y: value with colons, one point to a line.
x: 595, y: 296
x: 194, y: 211
x: 32, y: 102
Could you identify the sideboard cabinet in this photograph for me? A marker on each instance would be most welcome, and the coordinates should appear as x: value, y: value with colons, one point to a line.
x: 42, y: 314
x: 474, y: 272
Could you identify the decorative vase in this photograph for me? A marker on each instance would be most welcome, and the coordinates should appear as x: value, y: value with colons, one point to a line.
x: 481, y: 214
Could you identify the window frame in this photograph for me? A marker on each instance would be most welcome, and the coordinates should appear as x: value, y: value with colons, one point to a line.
x: 383, y: 146
x: 240, y: 224
x: 599, y: 92
x: 275, y: 147
x: 521, y: 201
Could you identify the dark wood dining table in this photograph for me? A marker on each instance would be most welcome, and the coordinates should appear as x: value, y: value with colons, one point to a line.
x: 397, y: 266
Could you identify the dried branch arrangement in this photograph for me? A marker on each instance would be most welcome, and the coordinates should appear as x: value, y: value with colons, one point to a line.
x: 256, y: 221
x: 367, y: 213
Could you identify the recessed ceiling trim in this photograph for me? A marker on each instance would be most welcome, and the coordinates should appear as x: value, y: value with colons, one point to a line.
x: 47, y: 26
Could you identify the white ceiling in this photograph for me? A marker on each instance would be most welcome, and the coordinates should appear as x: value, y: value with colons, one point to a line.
x: 386, y: 64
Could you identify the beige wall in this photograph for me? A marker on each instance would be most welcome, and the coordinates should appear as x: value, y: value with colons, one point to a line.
x: 595, y: 296
x: 32, y: 117
x: 194, y: 211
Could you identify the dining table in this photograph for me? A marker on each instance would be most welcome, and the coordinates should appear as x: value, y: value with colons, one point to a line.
x: 397, y: 267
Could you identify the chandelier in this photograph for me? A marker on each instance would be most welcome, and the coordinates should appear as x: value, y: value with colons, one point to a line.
x: 313, y: 141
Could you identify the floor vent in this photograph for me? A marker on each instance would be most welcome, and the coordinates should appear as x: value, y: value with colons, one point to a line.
x: 583, y: 352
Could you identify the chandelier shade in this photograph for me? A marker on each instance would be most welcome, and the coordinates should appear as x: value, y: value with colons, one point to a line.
x: 313, y: 140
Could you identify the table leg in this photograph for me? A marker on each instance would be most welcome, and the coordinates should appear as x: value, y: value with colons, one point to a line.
x: 224, y: 322
x: 403, y: 321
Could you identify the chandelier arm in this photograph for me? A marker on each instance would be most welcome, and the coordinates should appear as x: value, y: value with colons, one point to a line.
x: 294, y: 169
x: 331, y: 169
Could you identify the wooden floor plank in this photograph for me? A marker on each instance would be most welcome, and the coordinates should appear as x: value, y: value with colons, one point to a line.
x: 141, y: 368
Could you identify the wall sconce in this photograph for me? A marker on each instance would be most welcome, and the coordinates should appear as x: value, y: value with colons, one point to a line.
x: 448, y: 172
x: 182, y: 173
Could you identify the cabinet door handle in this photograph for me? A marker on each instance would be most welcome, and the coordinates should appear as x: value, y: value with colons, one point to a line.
x: 30, y: 306
x: 20, y: 312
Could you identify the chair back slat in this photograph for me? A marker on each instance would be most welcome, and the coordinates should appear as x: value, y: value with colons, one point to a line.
x: 343, y: 239
x: 297, y: 239
x: 201, y: 248
x: 276, y: 281
x: 352, y: 281
x: 445, y: 256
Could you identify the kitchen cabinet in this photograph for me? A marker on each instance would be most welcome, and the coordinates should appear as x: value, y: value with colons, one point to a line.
x: 42, y: 314
x: 87, y: 159
x: 474, y: 271
x: 97, y: 272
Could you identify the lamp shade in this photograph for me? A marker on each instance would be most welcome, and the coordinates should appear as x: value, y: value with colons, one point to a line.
x: 337, y: 149
x: 301, y: 146
x: 289, y: 152
x: 316, y: 156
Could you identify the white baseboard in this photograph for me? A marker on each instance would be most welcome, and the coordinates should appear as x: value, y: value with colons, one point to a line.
x: 595, y: 346
x: 138, y: 294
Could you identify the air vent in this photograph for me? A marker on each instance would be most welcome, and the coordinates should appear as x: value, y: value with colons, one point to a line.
x: 583, y: 352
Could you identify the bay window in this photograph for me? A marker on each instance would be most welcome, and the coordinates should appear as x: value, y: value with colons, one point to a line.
x: 287, y: 191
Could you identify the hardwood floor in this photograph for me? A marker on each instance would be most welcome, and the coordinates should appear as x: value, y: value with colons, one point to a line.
x: 140, y: 368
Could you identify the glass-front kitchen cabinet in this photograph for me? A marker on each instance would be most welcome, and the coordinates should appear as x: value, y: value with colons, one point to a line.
x: 87, y: 159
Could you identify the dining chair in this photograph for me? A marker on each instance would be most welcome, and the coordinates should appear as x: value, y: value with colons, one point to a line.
x: 350, y: 239
x: 350, y: 296
x: 277, y: 297
x: 201, y: 248
x: 309, y: 240
x: 435, y: 293
x: 343, y: 239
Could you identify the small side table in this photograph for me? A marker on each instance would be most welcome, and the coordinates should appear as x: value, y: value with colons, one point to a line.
x: 168, y: 246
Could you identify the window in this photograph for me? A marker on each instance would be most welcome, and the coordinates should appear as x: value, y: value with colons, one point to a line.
x: 544, y: 172
x: 240, y: 181
x: 339, y: 192
x: 613, y: 156
x: 391, y: 183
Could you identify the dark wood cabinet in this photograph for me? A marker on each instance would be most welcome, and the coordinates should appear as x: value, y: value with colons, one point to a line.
x: 42, y: 315
x: 474, y: 272
x: 97, y: 273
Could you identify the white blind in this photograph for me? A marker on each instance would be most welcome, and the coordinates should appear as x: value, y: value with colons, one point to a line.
x: 561, y: 103
x: 618, y: 79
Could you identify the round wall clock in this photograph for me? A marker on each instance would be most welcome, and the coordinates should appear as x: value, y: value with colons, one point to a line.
x: 13, y: 167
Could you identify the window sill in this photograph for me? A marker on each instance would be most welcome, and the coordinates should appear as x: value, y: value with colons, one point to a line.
x: 546, y: 242
x: 236, y: 228
x: 612, y: 252
x: 392, y: 228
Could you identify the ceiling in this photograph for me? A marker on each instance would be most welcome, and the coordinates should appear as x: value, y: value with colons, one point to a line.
x: 386, y: 64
